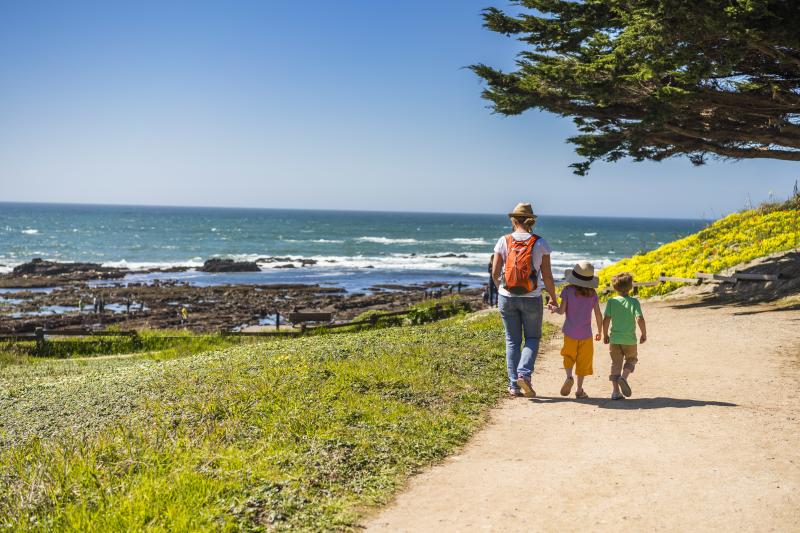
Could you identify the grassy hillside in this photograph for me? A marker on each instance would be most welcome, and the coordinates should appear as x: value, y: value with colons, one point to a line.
x: 735, y: 239
x: 293, y: 433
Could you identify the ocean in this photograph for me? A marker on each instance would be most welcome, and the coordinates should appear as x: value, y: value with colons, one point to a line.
x: 353, y: 250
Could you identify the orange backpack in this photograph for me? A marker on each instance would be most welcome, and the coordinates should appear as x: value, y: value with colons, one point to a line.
x: 519, y: 276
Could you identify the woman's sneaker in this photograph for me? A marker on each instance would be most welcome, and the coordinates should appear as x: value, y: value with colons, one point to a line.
x: 514, y: 393
x: 525, y: 385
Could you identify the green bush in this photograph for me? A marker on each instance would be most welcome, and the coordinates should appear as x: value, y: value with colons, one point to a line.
x: 433, y: 310
x: 735, y: 239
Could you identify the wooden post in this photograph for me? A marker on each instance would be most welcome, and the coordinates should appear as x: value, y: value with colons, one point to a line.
x: 277, y: 321
x: 373, y: 320
x: 39, y: 332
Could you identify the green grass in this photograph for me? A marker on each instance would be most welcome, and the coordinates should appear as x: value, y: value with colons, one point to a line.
x: 165, y: 343
x: 302, y: 433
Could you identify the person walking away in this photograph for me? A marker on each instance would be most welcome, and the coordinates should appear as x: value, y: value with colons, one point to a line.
x: 520, y: 267
x: 578, y: 301
x: 622, y: 313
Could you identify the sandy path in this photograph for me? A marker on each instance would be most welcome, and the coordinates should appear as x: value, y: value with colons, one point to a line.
x: 709, y: 441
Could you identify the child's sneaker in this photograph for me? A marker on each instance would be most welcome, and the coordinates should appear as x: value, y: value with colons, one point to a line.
x: 617, y: 396
x: 624, y: 387
x: 525, y: 385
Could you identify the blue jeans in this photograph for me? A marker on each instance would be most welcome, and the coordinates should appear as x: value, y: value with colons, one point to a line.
x: 521, y: 316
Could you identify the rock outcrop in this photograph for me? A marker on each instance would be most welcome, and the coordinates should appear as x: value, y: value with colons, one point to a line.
x: 229, y: 265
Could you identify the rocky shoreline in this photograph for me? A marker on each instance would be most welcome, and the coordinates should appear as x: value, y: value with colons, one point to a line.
x: 64, y: 296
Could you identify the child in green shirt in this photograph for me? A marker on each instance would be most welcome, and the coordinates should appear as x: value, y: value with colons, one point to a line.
x: 622, y: 313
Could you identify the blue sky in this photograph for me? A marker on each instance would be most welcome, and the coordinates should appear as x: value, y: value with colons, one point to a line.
x: 317, y: 104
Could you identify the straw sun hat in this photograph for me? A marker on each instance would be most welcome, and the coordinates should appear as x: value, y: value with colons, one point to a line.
x: 522, y: 211
x: 582, y: 275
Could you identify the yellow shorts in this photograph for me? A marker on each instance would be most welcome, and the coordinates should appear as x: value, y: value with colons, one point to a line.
x: 578, y: 353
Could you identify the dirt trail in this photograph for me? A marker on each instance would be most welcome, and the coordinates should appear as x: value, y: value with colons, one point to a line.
x: 709, y: 441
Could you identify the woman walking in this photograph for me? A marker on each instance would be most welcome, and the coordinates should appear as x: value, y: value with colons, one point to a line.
x: 521, y: 267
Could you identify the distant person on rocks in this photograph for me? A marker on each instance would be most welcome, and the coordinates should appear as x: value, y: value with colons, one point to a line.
x: 622, y: 313
x: 127, y: 305
x: 184, y: 315
x: 492, y: 285
x: 80, y: 304
x: 579, y: 301
x: 520, y: 267
x: 95, y: 304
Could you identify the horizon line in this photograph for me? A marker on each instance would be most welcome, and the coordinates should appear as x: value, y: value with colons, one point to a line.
x: 334, y: 210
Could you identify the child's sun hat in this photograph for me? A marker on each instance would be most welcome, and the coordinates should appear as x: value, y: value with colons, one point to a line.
x: 582, y: 275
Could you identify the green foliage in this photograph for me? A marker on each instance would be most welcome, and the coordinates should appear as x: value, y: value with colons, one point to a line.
x: 165, y: 343
x: 735, y: 239
x: 381, y: 321
x: 652, y: 79
x: 432, y: 310
x: 299, y: 433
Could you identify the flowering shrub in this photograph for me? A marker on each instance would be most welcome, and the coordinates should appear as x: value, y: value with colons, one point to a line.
x: 735, y: 239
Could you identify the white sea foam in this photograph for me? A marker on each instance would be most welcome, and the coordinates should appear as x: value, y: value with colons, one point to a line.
x: 147, y: 265
x: 30, y: 231
x: 387, y: 240
x: 468, y: 241
x: 395, y: 261
x: 320, y: 241
x: 592, y: 234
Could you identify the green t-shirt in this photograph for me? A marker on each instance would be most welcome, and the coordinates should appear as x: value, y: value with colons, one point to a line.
x: 623, y: 311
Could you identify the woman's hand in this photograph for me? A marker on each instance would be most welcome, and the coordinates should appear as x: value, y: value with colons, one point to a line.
x: 597, y: 336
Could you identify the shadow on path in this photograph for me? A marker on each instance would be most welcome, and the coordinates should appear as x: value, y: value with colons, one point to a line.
x: 793, y: 307
x: 635, y: 403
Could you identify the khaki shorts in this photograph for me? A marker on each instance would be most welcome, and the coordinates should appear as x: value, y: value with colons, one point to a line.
x: 620, y: 352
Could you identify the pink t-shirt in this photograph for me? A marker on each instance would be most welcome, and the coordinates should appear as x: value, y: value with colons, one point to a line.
x: 578, y: 324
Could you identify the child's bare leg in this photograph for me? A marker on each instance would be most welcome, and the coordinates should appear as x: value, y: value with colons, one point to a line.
x: 580, y: 384
x: 616, y: 387
x: 569, y: 372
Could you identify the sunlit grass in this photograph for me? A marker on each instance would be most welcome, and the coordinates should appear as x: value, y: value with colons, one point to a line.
x: 300, y: 433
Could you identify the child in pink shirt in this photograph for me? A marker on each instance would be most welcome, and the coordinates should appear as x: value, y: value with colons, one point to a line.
x: 578, y: 300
